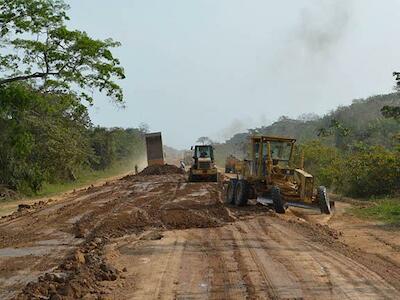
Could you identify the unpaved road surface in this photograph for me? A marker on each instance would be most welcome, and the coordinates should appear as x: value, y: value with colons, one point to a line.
x: 158, y: 237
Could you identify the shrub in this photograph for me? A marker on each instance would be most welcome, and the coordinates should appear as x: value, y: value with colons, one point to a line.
x: 370, y: 171
x: 320, y: 160
x: 363, y: 171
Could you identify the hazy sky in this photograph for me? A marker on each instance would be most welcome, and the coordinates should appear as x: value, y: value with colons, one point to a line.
x: 215, y: 67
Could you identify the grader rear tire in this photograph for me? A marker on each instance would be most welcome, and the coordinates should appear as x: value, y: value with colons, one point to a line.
x: 214, y: 178
x: 277, y: 200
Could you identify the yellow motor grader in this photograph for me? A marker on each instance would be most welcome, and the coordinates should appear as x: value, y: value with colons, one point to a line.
x: 269, y: 177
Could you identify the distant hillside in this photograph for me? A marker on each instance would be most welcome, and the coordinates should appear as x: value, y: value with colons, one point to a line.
x: 361, y: 121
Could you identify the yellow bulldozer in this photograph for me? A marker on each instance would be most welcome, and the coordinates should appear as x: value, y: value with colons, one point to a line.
x: 269, y: 177
x: 203, y: 167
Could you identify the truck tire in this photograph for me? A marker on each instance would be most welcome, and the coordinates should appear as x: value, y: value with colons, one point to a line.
x: 277, y: 200
x: 323, y: 199
x: 192, y: 178
x: 231, y: 192
x: 214, y: 178
x: 242, y: 195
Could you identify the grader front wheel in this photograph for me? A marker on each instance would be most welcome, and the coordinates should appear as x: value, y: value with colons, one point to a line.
x: 277, y: 200
x: 242, y: 194
x: 324, y: 203
x: 231, y: 192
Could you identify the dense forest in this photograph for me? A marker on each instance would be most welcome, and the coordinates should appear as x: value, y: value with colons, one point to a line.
x: 353, y: 149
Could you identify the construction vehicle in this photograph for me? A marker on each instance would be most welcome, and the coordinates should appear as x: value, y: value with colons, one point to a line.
x: 154, y: 148
x: 203, y: 167
x: 269, y: 177
x: 233, y: 164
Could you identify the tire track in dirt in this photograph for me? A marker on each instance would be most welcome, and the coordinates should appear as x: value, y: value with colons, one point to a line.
x: 249, y: 286
x: 347, y: 278
x: 165, y: 286
x: 221, y: 243
x: 362, y: 278
x: 279, y: 245
x: 218, y: 266
x: 257, y: 263
x: 307, y: 280
x: 227, y: 244
x: 330, y: 269
x: 194, y: 276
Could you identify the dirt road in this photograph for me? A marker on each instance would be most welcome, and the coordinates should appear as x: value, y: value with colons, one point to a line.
x: 158, y: 237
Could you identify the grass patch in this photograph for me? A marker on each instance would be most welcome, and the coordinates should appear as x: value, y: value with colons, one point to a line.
x: 85, y: 177
x: 385, y: 210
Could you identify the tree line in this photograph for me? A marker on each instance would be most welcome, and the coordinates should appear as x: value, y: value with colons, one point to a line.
x: 48, y: 73
x: 48, y: 137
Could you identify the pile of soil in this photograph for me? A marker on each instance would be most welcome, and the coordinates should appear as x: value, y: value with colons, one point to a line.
x: 161, y: 170
x: 120, y: 208
x: 78, y: 277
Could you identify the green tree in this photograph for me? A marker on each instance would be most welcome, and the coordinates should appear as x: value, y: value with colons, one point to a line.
x: 391, y: 112
x: 43, y: 137
x: 204, y: 140
x: 320, y: 160
x: 37, y: 46
x: 370, y: 171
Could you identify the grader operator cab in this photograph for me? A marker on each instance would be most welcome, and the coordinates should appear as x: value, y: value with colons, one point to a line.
x: 203, y: 167
x: 269, y: 177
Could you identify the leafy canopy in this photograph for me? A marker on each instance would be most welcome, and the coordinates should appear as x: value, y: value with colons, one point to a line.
x: 37, y: 46
x: 204, y: 140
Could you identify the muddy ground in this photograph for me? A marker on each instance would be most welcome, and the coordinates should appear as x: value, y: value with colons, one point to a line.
x: 158, y: 237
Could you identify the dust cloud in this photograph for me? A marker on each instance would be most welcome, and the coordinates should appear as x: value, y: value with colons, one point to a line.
x: 239, y: 125
x: 323, y: 26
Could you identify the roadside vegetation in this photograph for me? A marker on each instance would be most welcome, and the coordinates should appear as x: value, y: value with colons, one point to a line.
x: 49, y: 139
x: 386, y: 210
x: 87, y: 177
x: 48, y: 75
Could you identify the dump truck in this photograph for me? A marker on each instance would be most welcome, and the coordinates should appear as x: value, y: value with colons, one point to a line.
x: 154, y: 148
x: 233, y: 164
x: 203, y: 167
x: 269, y: 176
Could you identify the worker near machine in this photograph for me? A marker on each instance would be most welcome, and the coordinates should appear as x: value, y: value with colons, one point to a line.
x: 183, y: 166
x: 136, y: 169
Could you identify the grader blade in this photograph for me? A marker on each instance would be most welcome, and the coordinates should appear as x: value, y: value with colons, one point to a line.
x: 269, y: 202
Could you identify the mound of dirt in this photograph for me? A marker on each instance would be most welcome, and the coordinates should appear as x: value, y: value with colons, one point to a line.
x: 131, y: 206
x: 161, y: 170
x: 78, y: 277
